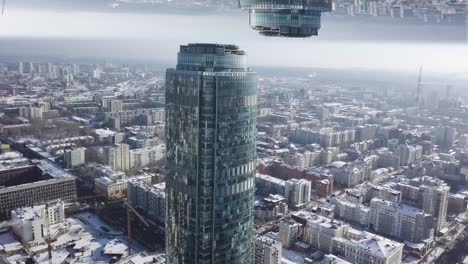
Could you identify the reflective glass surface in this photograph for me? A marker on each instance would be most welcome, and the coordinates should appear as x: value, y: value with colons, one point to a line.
x: 211, y: 110
x: 288, y: 18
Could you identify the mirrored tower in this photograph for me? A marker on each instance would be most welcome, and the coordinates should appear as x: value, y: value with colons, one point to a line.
x: 286, y: 18
x: 211, y: 111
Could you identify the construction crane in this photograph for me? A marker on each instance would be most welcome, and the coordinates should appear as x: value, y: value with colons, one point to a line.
x: 131, y: 210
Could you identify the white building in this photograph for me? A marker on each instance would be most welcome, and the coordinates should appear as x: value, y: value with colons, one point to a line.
x: 118, y: 157
x: 97, y: 73
x: 320, y: 231
x: 74, y: 157
x: 267, y: 250
x: 116, y: 187
x: 332, y: 259
x: 110, y: 188
x: 143, y: 156
x: 289, y: 231
x: 30, y: 112
x: 298, y: 192
x: 150, y: 198
x: 408, y: 153
x: 399, y: 220
x: 384, y: 193
x: 367, y: 248
x: 31, y: 224
x: 326, y: 137
x: 349, y: 175
x: 352, y: 212
x: 427, y: 193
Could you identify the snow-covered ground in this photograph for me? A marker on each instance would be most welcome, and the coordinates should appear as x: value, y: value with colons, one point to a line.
x: 85, y: 242
x: 290, y: 256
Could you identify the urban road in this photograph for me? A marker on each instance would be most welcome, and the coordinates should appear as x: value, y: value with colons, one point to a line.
x: 456, y: 251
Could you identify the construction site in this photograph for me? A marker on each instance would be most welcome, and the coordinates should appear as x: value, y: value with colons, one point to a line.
x: 98, y: 234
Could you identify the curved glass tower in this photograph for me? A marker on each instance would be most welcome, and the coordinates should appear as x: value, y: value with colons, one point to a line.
x: 287, y: 18
x: 211, y: 111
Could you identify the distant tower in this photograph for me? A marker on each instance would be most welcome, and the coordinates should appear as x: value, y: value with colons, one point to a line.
x: 20, y: 67
x: 419, y: 90
x: 448, y: 91
x: 31, y: 68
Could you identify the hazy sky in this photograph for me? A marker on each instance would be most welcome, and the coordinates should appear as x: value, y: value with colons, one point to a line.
x: 157, y: 36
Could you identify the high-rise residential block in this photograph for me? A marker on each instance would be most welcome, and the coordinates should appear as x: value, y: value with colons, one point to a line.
x: 298, y: 192
x: 289, y: 231
x: 74, y: 157
x: 267, y: 250
x: 118, y: 157
x: 401, y: 221
x: 429, y: 194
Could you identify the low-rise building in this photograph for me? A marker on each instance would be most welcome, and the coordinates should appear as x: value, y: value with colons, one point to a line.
x: 32, y: 224
x: 116, y: 187
x: 45, y: 182
x: 320, y: 231
x: 367, y: 248
x: 271, y: 207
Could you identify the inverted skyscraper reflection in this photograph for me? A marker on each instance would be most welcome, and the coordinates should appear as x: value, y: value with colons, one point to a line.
x: 286, y: 18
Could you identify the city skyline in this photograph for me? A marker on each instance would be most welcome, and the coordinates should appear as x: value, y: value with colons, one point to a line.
x: 234, y: 131
x: 342, y: 43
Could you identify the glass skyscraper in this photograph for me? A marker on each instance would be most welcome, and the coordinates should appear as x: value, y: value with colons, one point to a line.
x: 211, y: 111
x: 287, y: 18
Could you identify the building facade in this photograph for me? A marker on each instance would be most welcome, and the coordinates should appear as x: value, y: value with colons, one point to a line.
x: 289, y: 231
x: 298, y: 192
x: 267, y: 251
x: 367, y: 248
x: 74, y: 157
x: 211, y: 111
x: 150, y: 198
x: 118, y: 157
x: 141, y: 157
x: 286, y: 18
x: 31, y: 224
x: 429, y: 194
x: 56, y: 184
x: 401, y: 221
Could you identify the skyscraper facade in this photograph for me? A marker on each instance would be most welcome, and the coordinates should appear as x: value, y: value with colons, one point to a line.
x: 286, y: 18
x: 211, y: 111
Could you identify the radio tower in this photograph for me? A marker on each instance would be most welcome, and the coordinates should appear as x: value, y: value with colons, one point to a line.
x: 419, y: 89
